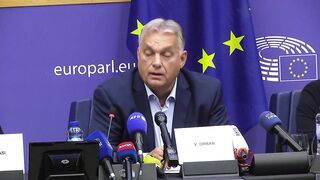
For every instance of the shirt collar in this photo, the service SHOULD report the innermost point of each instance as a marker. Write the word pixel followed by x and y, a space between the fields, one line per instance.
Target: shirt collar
pixel 172 94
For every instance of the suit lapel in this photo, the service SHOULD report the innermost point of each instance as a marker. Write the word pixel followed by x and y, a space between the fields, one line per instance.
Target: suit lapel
pixel 183 96
pixel 143 106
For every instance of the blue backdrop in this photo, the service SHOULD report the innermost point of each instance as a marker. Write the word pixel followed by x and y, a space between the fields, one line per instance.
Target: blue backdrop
pixel 52 55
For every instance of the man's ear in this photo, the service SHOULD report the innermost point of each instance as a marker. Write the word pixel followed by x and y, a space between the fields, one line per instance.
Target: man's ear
pixel 183 58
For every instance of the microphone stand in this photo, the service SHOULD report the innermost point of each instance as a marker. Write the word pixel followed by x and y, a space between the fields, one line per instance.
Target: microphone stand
pixel 280 143
pixel 128 168
pixel 107 165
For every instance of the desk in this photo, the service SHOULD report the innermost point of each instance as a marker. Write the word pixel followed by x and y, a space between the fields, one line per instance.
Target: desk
pixel 308 176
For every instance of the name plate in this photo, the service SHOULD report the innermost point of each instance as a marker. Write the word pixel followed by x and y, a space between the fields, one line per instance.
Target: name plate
pixel 211 143
pixel 11 152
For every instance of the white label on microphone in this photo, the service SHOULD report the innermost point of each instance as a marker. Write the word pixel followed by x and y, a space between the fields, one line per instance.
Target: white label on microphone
pixel 211 143
pixel 11 152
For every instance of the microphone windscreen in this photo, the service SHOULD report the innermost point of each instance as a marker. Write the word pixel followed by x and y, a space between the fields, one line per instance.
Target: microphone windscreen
pixel 268 120
pixel 127 149
pixel 105 148
pixel 150 159
pixel 160 117
pixel 137 123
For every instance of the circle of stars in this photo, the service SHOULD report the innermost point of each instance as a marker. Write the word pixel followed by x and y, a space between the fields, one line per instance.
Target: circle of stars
pixel 303 62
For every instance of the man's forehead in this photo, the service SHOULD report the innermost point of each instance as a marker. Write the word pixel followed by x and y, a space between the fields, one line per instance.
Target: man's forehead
pixel 164 39
pixel 160 31
pixel 158 47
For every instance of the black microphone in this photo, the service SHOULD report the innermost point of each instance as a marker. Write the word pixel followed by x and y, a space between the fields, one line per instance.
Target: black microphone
pixel 137 127
pixel 170 153
pixel 272 124
pixel 105 152
pixel 127 154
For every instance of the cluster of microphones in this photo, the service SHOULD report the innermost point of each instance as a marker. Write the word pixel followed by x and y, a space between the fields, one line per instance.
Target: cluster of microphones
pixel 129 152
pixel 132 152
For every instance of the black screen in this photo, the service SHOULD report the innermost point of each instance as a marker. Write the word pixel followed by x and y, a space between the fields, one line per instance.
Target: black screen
pixel 63 161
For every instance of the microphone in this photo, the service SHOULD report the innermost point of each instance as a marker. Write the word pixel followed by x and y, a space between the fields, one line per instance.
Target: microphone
pixel 170 153
pixel 111 115
pixel 127 154
pixel 272 124
pixel 150 159
pixel 159 166
pixel 137 128
pixel 240 146
pixel 105 152
pixel 241 154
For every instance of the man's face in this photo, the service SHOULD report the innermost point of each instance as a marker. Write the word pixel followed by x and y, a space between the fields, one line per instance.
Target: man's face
pixel 159 60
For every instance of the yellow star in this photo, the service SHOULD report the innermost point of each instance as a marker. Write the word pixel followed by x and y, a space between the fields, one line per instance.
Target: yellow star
pixel 234 43
pixel 139 28
pixel 206 60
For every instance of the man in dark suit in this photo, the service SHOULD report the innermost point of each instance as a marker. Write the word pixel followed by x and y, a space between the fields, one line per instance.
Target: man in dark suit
pixel 1 132
pixel 160 83
pixel 307 109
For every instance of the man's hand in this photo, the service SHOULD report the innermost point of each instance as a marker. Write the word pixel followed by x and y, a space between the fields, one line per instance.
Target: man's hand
pixel 157 153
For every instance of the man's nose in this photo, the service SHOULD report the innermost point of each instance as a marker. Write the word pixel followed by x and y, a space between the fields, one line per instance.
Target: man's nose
pixel 157 60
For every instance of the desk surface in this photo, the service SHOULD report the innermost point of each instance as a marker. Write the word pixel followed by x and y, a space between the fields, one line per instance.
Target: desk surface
pixel 308 176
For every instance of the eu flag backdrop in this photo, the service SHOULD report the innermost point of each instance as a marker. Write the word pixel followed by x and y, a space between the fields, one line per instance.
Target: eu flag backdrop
pixel 220 43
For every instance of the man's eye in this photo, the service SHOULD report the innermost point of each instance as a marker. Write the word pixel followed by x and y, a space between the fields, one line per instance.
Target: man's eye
pixel 167 54
pixel 148 53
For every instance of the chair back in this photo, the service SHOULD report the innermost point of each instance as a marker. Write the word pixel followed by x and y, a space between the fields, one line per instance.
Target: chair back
pixel 283 104
pixel 81 111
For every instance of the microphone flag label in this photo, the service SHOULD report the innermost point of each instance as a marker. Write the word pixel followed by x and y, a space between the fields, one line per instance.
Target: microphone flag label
pixel 127 145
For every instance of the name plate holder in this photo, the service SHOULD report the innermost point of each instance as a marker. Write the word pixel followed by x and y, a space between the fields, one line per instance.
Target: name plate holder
pixel 11 175
pixel 210 169
pixel 149 172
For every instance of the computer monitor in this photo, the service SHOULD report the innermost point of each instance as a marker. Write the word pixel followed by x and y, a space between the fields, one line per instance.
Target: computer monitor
pixel 63 161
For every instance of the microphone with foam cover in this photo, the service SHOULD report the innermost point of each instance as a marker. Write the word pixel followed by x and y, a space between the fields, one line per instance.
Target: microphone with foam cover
pixel 127 155
pixel 272 124
pixel 170 153
pixel 150 159
pixel 105 152
pixel 137 128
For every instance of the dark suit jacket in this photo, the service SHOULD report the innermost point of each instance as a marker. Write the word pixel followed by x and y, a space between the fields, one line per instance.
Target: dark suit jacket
pixel 307 109
pixel 198 103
